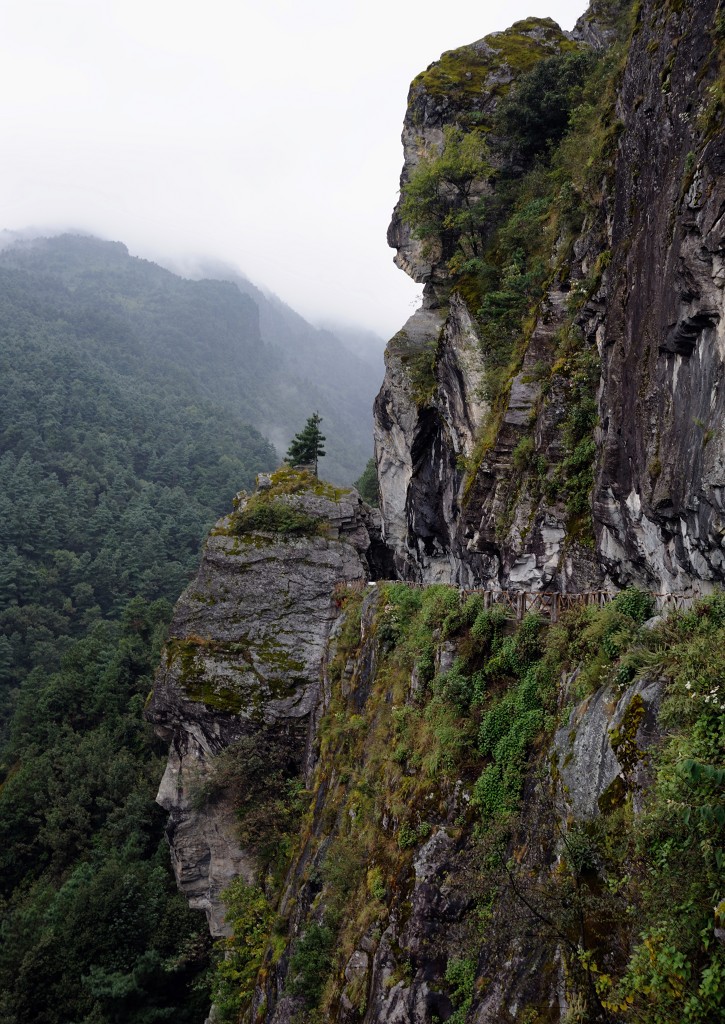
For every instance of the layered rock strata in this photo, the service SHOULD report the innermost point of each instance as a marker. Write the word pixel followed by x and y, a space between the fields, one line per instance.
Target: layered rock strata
pixel 659 499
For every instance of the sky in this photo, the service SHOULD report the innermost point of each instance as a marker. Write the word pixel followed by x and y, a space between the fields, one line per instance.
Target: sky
pixel 261 133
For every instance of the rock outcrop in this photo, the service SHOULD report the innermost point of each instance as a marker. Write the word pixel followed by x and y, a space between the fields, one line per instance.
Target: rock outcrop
pixel 444 509
pixel 243 659
pixel 660 492
pixel 423 438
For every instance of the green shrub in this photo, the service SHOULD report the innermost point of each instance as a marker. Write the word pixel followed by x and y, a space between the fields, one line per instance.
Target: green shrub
pixel 407 836
pixel 376 883
pixel 461 976
pixel 275 515
pixel 462 615
pixel 401 604
pixel 310 963
pixel 268 795
pixel 251 917
pixel 637 604
pixel 523 453
pixel 488 627
pixel 535 114
pixel 443 193
pixel 455 688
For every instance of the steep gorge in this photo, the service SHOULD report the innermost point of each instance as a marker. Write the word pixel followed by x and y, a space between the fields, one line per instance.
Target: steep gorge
pixel 421 811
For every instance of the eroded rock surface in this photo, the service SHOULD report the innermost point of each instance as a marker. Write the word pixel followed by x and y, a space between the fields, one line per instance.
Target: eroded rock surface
pixel 424 429
pixel 660 495
pixel 601 752
pixel 450 514
pixel 243 656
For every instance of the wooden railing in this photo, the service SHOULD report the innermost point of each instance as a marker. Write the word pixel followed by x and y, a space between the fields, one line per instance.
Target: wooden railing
pixel 518 603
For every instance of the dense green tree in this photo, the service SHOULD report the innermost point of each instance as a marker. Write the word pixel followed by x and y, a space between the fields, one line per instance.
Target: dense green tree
pixel 92 926
pixel 367 484
pixel 307 446
pixel 445 197
pixel 535 114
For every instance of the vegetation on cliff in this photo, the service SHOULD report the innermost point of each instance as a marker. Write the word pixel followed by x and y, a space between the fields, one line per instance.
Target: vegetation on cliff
pixel 499 208
pixel 276 507
pixel 367 484
pixel 452 734
pixel 307 446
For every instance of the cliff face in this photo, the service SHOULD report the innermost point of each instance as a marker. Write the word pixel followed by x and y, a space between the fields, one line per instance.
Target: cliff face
pixel 639 280
pixel 432 814
pixel 243 661
pixel 661 449
pixel 425 435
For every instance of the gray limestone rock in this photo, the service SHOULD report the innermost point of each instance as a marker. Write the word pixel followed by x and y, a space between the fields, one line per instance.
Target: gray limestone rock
pixel 592 775
pixel 657 319
pixel 659 498
pixel 244 656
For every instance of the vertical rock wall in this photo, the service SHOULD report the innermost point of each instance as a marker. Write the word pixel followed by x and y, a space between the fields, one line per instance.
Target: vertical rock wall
pixel 660 494
pixel 655 317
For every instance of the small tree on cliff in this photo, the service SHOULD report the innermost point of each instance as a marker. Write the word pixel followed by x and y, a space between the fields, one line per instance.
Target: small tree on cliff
pixel 445 197
pixel 307 446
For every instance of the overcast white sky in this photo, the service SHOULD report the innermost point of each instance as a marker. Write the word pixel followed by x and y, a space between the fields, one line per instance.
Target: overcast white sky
pixel 264 133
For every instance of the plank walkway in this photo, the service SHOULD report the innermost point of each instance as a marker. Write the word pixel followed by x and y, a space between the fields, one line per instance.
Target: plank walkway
pixel 518 603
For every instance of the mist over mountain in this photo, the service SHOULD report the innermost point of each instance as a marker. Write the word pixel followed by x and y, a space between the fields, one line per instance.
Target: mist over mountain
pixel 240 347
pixel 448 746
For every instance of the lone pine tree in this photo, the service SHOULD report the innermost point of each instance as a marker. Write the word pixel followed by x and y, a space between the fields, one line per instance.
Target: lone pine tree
pixel 307 446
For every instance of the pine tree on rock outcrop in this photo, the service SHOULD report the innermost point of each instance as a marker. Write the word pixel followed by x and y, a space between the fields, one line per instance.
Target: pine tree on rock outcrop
pixel 307 446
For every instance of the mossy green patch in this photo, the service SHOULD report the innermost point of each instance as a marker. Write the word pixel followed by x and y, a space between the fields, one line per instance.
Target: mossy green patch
pixel 467 72
pixel 287 480
pixel 419 362
pixel 613 796
pixel 266 669
pixel 278 509
pixel 263 514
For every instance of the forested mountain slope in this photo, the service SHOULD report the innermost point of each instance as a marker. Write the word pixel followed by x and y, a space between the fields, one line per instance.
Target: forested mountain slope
pixel 250 353
pixel 113 460
pixel 126 398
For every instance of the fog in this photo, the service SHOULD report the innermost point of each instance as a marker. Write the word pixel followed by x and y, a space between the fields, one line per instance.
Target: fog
pixel 260 133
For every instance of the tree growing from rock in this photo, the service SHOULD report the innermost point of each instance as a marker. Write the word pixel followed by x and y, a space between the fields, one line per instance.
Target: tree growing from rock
pixel 367 484
pixel 307 446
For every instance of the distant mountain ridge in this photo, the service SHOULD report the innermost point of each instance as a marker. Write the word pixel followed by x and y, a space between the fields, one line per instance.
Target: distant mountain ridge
pixel 249 352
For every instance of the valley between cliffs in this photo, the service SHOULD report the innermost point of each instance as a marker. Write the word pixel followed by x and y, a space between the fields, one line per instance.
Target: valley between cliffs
pixel 395 804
